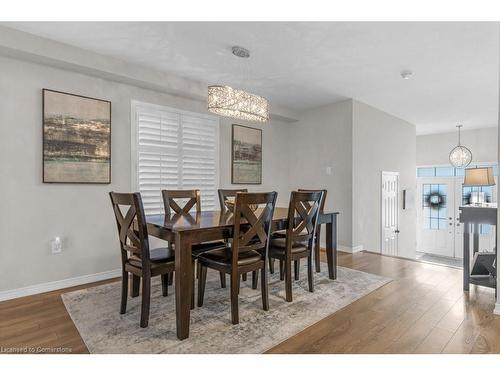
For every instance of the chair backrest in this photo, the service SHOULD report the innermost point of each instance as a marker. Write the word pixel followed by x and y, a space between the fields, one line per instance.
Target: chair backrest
pixel 171 197
pixel 227 193
pixel 322 205
pixel 133 240
pixel 252 228
pixel 303 214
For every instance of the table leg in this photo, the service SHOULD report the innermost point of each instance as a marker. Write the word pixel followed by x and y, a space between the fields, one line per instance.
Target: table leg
pixel 183 284
pixel 331 247
pixel 475 237
pixel 466 256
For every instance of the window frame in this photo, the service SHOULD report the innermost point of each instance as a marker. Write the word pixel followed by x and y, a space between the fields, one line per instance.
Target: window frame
pixel 134 129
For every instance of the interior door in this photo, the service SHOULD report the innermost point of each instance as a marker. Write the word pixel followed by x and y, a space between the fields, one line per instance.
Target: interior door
pixel 390 213
pixel 436 216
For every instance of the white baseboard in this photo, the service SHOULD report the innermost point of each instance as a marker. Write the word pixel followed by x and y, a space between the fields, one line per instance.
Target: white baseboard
pixel 350 249
pixel 346 249
pixel 59 284
pixel 496 311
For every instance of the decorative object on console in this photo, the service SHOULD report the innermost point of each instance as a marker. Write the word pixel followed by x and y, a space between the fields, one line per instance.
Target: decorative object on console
pixel 76 139
pixel 239 104
pixel 246 156
pixel 478 177
pixel 460 156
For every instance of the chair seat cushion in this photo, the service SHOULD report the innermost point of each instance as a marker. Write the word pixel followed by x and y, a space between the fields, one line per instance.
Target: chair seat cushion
pixel 224 256
pixel 205 246
pixel 278 245
pixel 282 233
pixel 199 248
pixel 158 255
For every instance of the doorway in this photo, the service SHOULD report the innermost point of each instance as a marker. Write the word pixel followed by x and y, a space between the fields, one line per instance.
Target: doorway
pixel 440 194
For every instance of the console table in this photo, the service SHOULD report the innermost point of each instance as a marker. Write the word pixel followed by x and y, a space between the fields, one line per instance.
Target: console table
pixel 472 216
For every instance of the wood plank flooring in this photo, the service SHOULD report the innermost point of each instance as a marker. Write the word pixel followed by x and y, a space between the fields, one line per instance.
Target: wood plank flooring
pixel 423 310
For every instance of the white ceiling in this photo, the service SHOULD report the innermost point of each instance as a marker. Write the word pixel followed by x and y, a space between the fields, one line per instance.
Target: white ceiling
pixel 305 65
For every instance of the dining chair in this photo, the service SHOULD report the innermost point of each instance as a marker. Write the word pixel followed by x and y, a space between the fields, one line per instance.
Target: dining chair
pixel 137 258
pixel 247 252
pixel 224 194
pixel 317 239
pixel 181 202
pixel 302 221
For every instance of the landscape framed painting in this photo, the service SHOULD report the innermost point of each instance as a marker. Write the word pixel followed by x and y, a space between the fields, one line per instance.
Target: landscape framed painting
pixel 76 139
pixel 246 156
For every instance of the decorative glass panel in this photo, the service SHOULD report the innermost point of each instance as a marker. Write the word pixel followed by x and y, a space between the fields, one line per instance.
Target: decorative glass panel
pixel 445 172
pixel 426 172
pixel 435 210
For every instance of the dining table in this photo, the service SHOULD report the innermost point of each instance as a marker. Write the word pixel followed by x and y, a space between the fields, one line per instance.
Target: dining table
pixel 185 230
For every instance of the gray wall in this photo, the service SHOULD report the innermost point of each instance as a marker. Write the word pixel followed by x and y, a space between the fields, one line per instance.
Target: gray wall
pixel 323 138
pixel 34 213
pixel 434 149
pixel 358 142
pixel 381 142
pixel 295 155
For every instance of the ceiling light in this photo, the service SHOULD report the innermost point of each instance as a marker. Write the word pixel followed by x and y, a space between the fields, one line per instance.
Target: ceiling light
pixel 406 74
pixel 460 156
pixel 239 104
pixel 227 101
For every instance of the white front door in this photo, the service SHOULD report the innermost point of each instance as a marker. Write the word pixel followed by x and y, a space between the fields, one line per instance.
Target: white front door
pixel 439 230
pixel 390 213
pixel 435 216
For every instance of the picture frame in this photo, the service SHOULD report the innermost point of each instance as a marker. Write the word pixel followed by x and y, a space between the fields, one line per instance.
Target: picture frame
pixel 76 138
pixel 246 155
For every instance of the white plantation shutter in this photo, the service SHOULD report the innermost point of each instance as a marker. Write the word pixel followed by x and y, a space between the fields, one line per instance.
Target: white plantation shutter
pixel 175 150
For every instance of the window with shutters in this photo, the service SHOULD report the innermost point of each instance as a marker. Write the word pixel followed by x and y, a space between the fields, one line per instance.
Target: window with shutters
pixel 174 149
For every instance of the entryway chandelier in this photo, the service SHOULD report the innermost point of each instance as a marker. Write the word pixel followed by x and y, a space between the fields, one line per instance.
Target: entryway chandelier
pixel 235 103
pixel 460 156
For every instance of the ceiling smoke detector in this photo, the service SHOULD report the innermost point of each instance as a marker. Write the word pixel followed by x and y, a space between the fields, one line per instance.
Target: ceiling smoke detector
pixel 406 74
pixel 240 52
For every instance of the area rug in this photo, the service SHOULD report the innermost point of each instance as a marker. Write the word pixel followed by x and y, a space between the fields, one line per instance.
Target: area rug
pixel 95 312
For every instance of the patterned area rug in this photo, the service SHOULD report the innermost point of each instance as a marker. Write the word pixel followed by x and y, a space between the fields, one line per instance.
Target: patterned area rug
pixel 95 312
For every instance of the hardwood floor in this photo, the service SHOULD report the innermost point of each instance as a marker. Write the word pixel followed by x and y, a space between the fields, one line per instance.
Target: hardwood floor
pixel 423 310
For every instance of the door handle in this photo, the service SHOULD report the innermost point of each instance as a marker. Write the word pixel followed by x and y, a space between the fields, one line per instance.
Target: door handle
pixel 396 231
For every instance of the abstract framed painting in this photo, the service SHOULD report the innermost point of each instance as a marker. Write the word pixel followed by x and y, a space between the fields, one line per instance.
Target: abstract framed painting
pixel 76 139
pixel 246 156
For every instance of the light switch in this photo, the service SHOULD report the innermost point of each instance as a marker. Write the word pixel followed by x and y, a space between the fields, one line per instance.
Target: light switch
pixel 328 171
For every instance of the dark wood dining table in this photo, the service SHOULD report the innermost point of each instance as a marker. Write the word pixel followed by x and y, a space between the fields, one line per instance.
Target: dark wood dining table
pixel 187 230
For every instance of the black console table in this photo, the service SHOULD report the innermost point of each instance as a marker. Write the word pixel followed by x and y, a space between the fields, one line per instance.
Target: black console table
pixel 471 217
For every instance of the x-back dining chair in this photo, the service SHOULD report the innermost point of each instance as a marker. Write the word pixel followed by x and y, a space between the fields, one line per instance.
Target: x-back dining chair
pixel 300 233
pixel 317 239
pixel 191 198
pixel 172 198
pixel 224 194
pixel 247 252
pixel 137 258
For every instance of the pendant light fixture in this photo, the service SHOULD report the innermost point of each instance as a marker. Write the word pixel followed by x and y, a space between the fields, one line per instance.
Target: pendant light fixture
pixel 235 103
pixel 460 156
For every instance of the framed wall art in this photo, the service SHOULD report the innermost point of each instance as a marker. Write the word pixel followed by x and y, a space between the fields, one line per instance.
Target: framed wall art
pixel 76 139
pixel 246 156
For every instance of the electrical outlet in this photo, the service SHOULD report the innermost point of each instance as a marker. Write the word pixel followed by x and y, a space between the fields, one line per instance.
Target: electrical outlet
pixel 56 245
